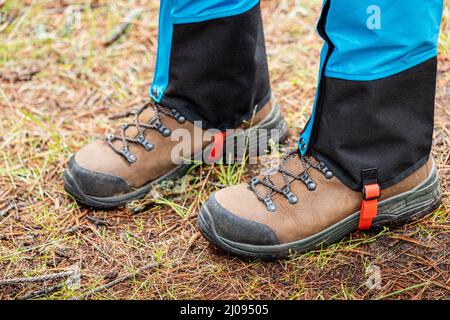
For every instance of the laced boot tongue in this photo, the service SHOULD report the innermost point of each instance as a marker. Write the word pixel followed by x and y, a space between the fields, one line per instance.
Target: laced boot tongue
pixel 134 132
pixel 145 116
pixel 293 167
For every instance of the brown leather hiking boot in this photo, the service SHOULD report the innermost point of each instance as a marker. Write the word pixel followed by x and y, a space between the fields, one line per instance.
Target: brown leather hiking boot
pixel 303 205
pixel 123 167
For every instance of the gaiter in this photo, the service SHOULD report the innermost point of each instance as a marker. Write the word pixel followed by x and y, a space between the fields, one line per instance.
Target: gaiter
pixel 374 104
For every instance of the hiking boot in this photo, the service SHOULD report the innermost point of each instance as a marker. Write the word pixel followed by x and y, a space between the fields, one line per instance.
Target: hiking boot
pixel 303 206
pixel 125 166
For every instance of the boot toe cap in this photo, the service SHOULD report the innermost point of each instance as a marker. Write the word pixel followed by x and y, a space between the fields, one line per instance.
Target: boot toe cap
pixel 92 183
pixel 228 226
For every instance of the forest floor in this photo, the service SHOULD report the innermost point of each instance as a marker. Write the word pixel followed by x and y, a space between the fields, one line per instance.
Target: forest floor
pixel 62 76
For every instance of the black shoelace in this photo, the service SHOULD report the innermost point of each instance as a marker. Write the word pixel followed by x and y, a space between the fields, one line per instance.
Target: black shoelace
pixel 153 124
pixel 285 190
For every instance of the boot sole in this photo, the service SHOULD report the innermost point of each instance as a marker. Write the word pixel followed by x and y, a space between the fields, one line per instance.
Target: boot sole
pixel 408 206
pixel 274 120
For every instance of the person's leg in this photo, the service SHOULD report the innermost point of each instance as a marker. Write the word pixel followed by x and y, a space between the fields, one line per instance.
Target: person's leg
pixel 211 63
pixel 211 67
pixel 371 130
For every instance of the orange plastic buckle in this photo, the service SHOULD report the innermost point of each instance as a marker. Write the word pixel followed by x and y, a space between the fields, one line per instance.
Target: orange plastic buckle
pixel 369 206
pixel 217 149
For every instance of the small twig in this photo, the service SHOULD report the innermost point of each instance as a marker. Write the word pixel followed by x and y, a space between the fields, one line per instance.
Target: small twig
pixel 4 212
pixel 20 75
pixel 45 277
pixel 122 115
pixel 42 292
pixel 122 29
pixel 218 185
pixel 123 278
pixel 168 230
pixel 98 222
pixel 16 208
pixel 193 239
pixel 407 239
pixel 12 205
pixel 6 19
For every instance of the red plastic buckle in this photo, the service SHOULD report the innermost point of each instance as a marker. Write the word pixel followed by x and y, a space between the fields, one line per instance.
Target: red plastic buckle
pixel 369 206
pixel 217 149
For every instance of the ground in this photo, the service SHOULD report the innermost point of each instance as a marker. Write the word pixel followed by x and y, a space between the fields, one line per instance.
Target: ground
pixel 65 69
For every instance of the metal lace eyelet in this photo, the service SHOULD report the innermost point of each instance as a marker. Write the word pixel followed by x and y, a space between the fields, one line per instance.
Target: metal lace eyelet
pixel 110 137
pixel 254 181
pixel 166 132
pixel 163 129
pixel 329 175
pixel 270 205
pixel 181 119
pixel 324 169
pixel 131 158
pixel 309 183
pixel 148 146
pixel 177 116
pixel 311 186
pixel 292 198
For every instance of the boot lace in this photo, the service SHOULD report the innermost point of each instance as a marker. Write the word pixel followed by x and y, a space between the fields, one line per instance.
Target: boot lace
pixel 288 178
pixel 153 124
